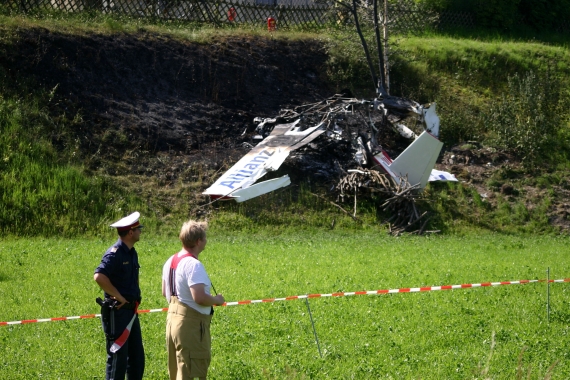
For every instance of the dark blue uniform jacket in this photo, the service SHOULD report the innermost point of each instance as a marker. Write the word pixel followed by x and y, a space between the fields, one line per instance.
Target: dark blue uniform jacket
pixel 121 265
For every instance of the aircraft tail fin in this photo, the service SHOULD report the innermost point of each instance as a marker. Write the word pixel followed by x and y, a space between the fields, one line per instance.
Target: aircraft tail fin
pixel 416 162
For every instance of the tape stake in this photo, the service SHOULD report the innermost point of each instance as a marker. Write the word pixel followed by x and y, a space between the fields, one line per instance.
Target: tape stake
pixel 314 330
pixel 548 295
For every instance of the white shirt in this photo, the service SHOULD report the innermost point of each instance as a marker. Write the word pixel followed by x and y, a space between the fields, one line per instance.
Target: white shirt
pixel 189 272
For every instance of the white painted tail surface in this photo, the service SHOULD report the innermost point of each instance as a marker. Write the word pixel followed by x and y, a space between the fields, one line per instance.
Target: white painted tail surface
pixel 415 163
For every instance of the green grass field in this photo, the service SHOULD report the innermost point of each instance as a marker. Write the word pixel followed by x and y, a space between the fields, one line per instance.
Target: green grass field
pixel 481 333
pixel 493 332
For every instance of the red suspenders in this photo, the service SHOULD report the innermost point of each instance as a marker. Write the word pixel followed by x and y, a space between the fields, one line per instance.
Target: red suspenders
pixel 173 265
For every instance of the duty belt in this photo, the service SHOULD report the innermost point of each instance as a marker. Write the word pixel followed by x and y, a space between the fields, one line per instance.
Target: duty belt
pixel 112 303
pixel 129 305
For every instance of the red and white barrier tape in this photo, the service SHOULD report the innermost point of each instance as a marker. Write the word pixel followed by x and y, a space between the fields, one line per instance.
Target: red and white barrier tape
pixel 339 294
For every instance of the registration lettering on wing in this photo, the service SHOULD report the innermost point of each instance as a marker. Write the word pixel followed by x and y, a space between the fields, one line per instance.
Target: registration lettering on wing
pixel 245 172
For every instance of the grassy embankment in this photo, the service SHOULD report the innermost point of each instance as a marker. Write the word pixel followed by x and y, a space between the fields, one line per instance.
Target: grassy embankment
pixel 491 332
pixel 477 84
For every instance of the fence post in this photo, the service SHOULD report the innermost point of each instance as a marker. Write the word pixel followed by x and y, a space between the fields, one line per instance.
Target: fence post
pixel 548 295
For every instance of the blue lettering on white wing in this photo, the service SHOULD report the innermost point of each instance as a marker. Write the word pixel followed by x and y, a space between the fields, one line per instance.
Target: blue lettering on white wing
pixel 237 177
pixel 229 184
pixel 266 152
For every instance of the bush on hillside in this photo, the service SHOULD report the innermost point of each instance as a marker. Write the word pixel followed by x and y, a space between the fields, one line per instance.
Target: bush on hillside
pixel 540 15
pixel 497 14
pixel 544 14
pixel 527 119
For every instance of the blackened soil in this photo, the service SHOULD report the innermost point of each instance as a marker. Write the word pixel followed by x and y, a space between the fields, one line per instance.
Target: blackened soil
pixel 141 96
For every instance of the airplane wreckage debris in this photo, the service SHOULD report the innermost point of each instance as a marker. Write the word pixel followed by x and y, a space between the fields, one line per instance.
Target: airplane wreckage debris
pixel 371 170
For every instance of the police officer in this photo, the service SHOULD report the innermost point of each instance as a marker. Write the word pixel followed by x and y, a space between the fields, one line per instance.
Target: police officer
pixel 118 276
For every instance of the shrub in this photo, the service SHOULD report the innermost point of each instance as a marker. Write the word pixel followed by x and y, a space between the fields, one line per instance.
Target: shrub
pixel 527 119
pixel 497 14
pixel 544 14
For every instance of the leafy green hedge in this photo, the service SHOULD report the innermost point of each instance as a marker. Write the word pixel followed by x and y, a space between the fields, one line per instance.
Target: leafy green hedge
pixel 508 14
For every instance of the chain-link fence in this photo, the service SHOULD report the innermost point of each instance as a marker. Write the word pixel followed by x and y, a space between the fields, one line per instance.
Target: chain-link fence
pixel 285 12
pixel 457 20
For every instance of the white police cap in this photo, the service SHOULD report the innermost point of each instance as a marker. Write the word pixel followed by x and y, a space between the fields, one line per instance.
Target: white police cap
pixel 128 222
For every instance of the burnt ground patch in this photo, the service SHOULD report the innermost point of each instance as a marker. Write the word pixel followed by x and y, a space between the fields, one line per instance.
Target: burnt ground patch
pixel 153 94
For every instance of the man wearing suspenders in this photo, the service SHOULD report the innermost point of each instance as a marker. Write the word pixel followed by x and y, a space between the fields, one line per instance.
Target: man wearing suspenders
pixel 186 286
pixel 118 276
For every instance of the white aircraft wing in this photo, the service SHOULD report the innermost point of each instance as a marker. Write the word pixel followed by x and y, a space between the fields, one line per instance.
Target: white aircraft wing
pixel 261 188
pixel 266 156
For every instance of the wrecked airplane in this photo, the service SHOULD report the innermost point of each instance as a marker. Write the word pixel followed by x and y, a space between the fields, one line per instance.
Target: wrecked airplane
pixel 295 128
pixel 328 119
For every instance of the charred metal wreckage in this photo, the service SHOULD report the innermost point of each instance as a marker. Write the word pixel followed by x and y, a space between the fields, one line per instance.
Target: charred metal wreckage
pixel 295 128
pixel 362 122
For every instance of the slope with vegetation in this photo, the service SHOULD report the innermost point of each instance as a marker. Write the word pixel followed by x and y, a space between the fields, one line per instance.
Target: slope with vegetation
pixel 100 116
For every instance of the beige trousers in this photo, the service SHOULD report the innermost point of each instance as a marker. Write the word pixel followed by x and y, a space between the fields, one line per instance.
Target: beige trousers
pixel 188 341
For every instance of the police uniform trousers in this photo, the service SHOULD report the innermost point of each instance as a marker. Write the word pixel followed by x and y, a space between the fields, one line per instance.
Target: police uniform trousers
pixel 129 359
pixel 188 341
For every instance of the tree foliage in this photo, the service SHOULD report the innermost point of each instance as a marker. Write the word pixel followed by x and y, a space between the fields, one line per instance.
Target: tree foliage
pixel 507 14
pixel 544 14
pixel 497 14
